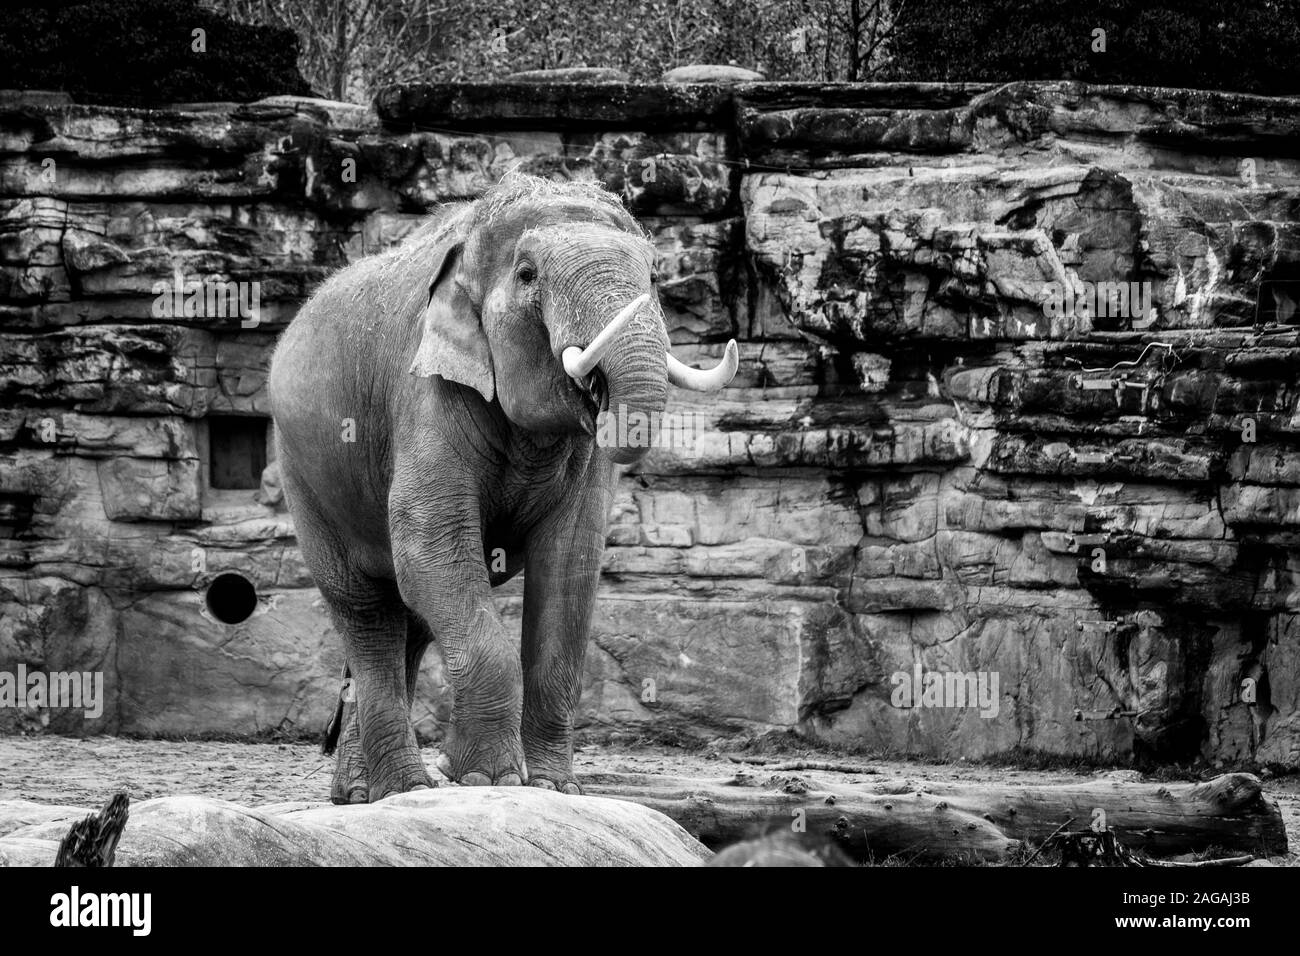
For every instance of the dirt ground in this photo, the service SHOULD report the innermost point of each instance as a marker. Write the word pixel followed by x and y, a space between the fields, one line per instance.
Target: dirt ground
pixel 86 772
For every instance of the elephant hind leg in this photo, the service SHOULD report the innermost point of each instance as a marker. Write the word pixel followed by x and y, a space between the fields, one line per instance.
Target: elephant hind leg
pixel 343 742
pixel 418 639
pixel 334 729
pixel 372 621
pixel 350 783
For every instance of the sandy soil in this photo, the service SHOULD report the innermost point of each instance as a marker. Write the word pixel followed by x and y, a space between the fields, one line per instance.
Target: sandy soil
pixel 86 772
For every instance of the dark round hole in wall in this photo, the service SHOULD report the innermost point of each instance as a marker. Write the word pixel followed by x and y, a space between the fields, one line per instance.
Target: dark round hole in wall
pixel 231 598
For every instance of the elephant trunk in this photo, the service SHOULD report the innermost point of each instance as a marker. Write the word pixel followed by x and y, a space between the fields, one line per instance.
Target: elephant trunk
pixel 636 376
pixel 609 332
pixel 606 321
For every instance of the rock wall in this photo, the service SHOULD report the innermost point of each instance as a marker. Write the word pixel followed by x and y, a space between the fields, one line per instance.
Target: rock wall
pixel 941 456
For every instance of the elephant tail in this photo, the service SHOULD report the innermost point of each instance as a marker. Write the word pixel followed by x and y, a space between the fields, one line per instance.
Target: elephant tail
pixel 330 741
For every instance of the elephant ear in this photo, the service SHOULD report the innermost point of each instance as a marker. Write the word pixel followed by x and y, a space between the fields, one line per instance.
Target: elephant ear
pixel 453 344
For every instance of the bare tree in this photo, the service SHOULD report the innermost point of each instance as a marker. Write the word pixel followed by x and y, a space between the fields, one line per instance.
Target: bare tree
pixel 864 28
pixel 345 44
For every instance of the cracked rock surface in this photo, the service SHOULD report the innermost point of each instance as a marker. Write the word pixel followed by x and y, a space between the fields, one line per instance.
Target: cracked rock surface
pixel 932 459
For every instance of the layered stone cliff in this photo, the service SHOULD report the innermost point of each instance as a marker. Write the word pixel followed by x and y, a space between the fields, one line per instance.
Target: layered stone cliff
pixel 942 454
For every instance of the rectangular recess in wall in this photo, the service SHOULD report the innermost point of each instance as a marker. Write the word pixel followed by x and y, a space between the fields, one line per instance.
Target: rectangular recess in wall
pixel 236 451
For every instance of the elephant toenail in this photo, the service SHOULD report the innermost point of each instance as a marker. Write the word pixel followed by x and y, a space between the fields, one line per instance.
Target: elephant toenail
pixel 475 779
pixel 510 780
pixel 572 788
pixel 541 783
pixel 358 795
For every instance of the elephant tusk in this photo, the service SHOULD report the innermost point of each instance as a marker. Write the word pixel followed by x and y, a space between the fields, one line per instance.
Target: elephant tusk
pixel 579 362
pixel 705 380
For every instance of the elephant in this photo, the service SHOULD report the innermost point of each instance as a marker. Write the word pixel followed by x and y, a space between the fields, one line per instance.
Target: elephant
pixel 438 416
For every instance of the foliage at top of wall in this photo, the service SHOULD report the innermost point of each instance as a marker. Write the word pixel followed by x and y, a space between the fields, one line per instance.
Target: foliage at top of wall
pixel 1240 45
pixel 352 49
pixel 144 51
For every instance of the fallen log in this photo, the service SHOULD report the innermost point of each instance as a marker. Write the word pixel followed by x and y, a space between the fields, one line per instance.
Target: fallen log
pixel 869 827
pixel 868 819
pixel 922 821
pixel 1229 812
pixel 447 826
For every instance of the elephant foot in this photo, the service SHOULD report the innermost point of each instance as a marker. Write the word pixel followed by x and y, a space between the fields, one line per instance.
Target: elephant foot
pixel 355 783
pixel 508 777
pixel 550 760
pixel 562 783
pixel 356 794
pixel 483 766
pixel 404 783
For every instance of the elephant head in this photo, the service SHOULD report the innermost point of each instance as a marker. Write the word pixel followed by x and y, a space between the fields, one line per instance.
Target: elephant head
pixel 542 297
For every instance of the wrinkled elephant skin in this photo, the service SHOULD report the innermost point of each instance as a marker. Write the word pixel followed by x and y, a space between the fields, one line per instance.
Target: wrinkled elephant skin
pixel 431 445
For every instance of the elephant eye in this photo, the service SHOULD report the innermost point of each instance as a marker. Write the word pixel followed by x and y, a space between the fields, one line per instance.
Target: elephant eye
pixel 527 274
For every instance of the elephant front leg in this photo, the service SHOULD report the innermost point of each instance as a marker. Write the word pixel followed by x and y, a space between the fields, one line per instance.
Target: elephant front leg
pixel 561 575
pixel 483 745
pixel 448 587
